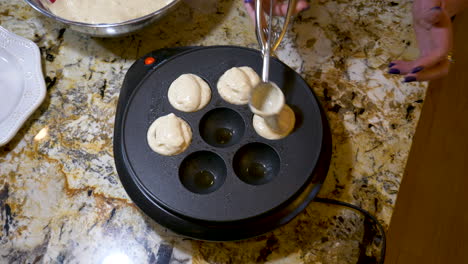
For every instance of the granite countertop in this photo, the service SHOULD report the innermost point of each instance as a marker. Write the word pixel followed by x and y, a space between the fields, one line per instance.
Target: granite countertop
pixel 60 197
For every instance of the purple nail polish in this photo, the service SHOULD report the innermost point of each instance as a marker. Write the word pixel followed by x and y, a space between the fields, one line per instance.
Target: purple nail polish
pixel 410 79
pixel 417 69
pixel 394 71
pixel 306 8
pixel 248 1
pixel 436 8
pixel 391 64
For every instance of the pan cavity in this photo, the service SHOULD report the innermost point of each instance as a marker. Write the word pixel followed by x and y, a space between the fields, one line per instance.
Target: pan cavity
pixel 202 172
pixel 256 163
pixel 222 127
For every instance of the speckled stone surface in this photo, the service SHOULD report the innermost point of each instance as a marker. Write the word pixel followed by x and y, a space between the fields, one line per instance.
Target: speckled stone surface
pixel 60 197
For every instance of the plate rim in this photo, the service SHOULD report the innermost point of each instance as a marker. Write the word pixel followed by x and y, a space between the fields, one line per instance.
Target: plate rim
pixel 16 120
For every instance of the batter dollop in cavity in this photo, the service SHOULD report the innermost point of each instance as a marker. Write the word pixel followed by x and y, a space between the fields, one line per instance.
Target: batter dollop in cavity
pixel 169 135
pixel 103 11
pixel 235 84
pixel 286 121
pixel 189 93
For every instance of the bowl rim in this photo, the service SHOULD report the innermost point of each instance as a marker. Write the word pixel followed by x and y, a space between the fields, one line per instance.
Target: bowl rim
pixel 40 9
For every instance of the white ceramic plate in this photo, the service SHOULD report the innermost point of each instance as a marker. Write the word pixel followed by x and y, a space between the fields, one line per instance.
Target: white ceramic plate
pixel 22 87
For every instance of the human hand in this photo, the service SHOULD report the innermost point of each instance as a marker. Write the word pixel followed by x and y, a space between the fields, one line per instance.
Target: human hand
pixel 280 8
pixel 433 30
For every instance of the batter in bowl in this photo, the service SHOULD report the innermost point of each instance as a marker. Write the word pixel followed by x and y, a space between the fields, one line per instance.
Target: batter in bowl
pixel 169 135
pixel 235 84
pixel 103 11
pixel 189 93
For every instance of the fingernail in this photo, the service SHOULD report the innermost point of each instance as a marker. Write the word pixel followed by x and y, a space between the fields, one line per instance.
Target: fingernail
pixel 394 71
pixel 306 8
pixel 436 8
pixel 417 69
pixel 248 1
pixel 391 64
pixel 410 79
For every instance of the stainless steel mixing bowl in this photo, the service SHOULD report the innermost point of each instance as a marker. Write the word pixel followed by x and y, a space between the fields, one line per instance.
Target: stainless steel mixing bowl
pixel 106 30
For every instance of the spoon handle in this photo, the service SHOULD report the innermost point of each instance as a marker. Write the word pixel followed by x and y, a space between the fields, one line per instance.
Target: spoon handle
pixel 266 48
pixel 261 24
pixel 266 64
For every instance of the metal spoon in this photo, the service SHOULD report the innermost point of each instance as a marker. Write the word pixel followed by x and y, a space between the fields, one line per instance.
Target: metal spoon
pixel 266 99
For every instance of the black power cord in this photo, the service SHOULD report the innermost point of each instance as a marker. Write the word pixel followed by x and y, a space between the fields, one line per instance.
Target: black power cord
pixel 365 213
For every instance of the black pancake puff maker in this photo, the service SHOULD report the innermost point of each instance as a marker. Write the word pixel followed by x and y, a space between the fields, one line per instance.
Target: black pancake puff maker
pixel 230 183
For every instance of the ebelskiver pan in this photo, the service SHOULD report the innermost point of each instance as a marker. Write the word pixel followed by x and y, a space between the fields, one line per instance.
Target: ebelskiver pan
pixel 246 185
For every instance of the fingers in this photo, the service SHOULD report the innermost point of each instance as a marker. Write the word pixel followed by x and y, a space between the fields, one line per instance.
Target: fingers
pixel 434 45
pixel 431 17
pixel 426 12
pixel 432 73
pixel 423 7
pixel 420 73
pixel 250 8
pixel 280 8
pixel 442 39
pixel 400 67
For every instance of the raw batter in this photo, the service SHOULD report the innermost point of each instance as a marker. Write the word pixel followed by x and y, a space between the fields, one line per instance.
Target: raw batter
pixel 169 135
pixel 235 84
pixel 286 121
pixel 189 93
pixel 104 11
